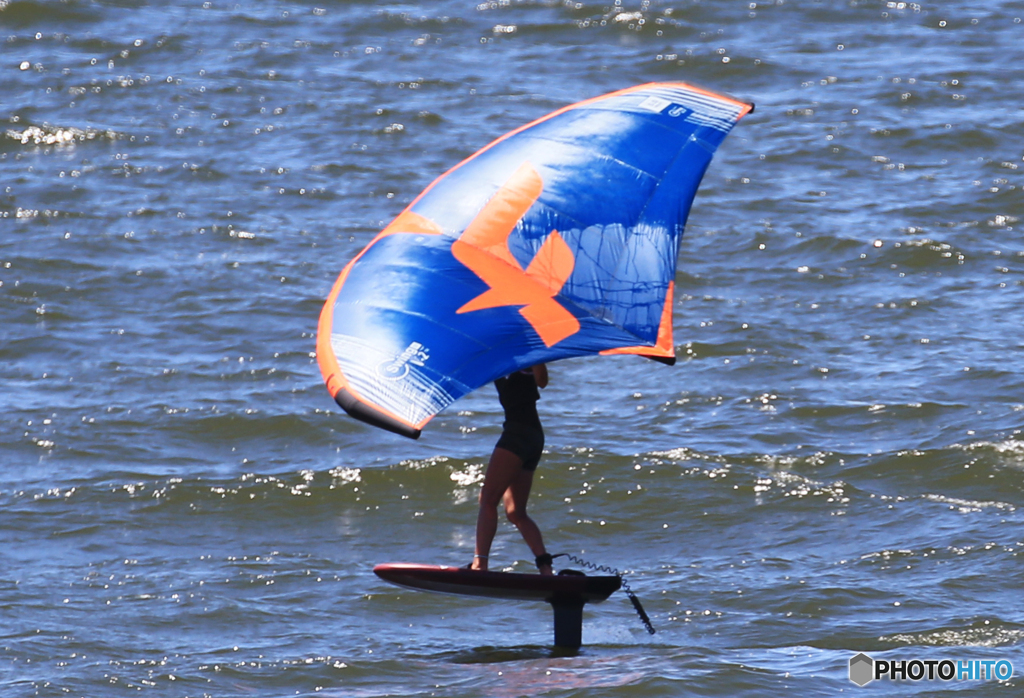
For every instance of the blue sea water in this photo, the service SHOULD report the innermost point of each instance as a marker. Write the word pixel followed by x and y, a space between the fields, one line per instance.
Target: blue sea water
pixel 833 466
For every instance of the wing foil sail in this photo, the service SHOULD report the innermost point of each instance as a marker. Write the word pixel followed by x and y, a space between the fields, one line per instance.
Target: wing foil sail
pixel 558 239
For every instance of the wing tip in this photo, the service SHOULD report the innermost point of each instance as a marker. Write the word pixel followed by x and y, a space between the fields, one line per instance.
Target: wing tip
pixel 745 106
pixel 364 413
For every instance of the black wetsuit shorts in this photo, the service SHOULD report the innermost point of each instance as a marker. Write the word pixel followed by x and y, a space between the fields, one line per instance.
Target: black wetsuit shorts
pixel 524 440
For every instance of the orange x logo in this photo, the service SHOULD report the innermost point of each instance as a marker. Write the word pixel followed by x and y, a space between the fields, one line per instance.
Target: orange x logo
pixel 483 248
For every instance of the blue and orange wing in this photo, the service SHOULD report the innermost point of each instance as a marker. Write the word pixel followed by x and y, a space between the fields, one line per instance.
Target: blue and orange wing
pixel 557 240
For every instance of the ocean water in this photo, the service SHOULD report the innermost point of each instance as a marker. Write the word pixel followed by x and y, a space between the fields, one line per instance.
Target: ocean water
pixel 833 466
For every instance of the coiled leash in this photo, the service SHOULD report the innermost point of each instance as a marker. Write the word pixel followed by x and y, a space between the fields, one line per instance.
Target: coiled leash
pixel 637 606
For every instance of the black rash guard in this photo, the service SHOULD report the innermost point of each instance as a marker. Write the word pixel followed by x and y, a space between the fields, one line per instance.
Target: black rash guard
pixel 518 395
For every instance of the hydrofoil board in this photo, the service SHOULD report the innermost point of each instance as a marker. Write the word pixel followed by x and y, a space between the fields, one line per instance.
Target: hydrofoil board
pixel 572 587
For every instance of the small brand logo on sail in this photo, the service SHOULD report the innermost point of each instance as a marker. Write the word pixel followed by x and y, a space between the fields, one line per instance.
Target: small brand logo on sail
pixel 415 354
pixel 655 104
pixel 659 106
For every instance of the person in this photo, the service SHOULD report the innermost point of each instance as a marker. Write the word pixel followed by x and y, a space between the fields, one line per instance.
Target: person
pixel 509 475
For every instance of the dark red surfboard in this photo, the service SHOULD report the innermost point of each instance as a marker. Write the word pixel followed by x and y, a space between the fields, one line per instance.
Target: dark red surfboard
pixel 577 587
